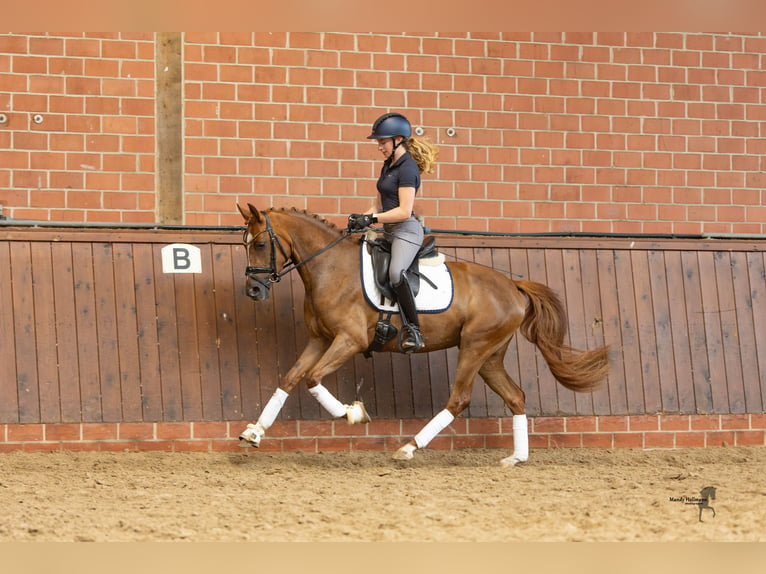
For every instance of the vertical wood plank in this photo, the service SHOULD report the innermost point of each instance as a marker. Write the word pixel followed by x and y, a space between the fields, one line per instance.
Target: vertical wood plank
pixel 9 395
pixel 682 354
pixel 756 267
pixel 730 333
pixel 573 288
pixel 481 395
pixel 594 321
pixel 647 338
pixel 167 338
pixel 546 384
pixel 748 359
pixel 208 338
pixel 148 342
pixel 703 399
pixel 66 333
pixel 169 117
pixel 188 346
pixel 664 332
pixel 24 328
pixel 711 312
pixel 127 332
pixel 106 330
pixel 45 331
pixel 554 267
pixel 610 306
pixel 629 326
pixel 87 332
pixel 226 341
pixel 525 374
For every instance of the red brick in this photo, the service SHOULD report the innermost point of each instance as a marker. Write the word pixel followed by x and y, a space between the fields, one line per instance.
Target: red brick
pixel 629 440
pixel 24 432
pixel 278 429
pixel 99 431
pixel 69 431
pixel 537 441
pixel 566 440
pixel 597 440
pixel 368 443
pixel 674 422
pixel 690 439
pixel 210 430
pixel 333 444
pixel 483 426
pixel 468 442
pixel 136 431
pixel 612 423
pixel 42 446
pixel 643 422
pixel 735 421
pixel 316 428
pixel 506 441
pixel 173 430
pixel 441 443
pixel 547 424
pixel 659 440
pixel 758 421
pixel 299 444
pixel 719 438
pixel 81 446
pixel 158 445
pixel 580 424
pixel 749 438
pixel 705 422
pixel 118 446
pixel 384 428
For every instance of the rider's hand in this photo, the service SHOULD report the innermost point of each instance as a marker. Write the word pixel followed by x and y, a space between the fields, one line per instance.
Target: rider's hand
pixel 358 221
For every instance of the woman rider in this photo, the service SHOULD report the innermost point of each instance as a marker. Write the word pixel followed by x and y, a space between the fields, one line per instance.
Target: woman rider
pixel 405 159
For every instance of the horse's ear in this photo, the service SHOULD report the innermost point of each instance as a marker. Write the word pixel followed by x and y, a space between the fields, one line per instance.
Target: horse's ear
pixel 245 214
pixel 254 213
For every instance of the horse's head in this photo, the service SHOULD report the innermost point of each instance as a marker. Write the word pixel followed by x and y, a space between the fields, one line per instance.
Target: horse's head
pixel 265 254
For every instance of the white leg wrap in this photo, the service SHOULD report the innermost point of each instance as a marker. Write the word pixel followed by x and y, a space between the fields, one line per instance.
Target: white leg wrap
pixel 329 402
pixel 434 427
pixel 520 442
pixel 272 408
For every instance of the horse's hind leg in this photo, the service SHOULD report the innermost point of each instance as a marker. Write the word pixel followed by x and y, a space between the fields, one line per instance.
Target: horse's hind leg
pixel 497 378
pixel 468 363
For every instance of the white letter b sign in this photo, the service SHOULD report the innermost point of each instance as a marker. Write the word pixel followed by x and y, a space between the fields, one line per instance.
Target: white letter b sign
pixel 181 258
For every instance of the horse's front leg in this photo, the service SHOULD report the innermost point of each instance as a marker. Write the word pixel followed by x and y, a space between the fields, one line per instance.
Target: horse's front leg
pixel 253 434
pixel 340 350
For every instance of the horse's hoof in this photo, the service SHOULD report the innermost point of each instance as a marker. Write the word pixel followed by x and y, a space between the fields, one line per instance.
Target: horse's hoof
pixel 251 436
pixel 356 413
pixel 512 461
pixel 405 452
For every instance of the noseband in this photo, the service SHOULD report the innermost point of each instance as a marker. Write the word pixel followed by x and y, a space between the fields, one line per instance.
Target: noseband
pixel 274 275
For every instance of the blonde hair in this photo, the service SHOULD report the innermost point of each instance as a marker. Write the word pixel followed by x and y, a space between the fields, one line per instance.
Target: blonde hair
pixel 423 152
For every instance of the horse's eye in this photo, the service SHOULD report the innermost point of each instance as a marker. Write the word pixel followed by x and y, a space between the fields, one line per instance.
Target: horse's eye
pixel 259 244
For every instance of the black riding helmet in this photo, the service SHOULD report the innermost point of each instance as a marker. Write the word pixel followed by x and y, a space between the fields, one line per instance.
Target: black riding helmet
pixel 389 126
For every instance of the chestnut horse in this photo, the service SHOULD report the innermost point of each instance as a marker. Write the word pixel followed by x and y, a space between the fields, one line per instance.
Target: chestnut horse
pixel 486 311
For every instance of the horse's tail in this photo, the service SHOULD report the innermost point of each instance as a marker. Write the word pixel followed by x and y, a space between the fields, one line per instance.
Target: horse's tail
pixel 545 325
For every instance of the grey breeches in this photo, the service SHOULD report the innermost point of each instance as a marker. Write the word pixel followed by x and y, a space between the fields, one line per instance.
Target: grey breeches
pixel 406 238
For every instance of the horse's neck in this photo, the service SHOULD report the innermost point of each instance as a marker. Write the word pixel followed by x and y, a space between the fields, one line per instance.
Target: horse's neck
pixel 309 236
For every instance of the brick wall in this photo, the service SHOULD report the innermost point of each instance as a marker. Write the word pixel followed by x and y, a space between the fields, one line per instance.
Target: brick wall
pixel 637 431
pixel 599 132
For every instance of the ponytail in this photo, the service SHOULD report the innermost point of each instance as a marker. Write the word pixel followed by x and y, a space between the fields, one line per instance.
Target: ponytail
pixel 423 152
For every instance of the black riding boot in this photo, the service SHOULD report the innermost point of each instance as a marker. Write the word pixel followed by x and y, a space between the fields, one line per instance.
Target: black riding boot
pixel 410 339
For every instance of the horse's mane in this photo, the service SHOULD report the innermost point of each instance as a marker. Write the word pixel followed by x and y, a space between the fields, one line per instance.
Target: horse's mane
pixel 304 214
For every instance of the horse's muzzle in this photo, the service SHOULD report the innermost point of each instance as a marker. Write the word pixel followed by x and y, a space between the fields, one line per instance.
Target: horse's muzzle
pixel 258 288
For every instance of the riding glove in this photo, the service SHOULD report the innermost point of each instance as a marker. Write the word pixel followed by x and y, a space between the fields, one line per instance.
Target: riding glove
pixel 360 221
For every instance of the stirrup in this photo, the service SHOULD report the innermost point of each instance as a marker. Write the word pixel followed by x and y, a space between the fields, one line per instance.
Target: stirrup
pixel 410 339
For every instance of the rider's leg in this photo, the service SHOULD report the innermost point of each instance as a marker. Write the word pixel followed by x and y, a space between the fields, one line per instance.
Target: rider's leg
pixel 407 237
pixel 410 339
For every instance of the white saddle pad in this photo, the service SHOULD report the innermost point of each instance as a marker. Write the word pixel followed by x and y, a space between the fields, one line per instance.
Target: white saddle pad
pixel 428 300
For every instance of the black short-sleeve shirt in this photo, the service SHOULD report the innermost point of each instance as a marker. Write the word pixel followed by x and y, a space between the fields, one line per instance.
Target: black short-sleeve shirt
pixel 404 173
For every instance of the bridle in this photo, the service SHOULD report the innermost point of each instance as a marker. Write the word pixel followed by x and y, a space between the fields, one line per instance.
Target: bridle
pixel 274 274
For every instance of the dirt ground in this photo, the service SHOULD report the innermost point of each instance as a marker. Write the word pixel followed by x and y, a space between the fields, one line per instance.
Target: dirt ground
pixel 559 495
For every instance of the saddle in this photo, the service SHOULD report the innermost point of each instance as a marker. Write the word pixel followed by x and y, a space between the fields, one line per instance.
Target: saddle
pixel 380 254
